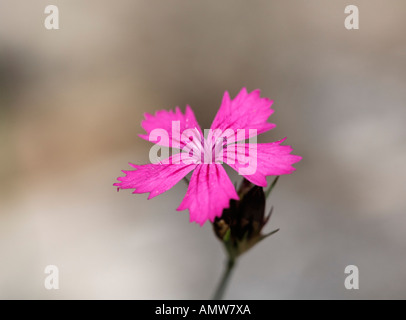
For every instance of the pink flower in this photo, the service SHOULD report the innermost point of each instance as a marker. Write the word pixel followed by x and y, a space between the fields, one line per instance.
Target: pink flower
pixel 210 188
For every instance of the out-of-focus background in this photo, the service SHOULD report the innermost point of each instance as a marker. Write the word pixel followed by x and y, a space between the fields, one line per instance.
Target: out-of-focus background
pixel 71 103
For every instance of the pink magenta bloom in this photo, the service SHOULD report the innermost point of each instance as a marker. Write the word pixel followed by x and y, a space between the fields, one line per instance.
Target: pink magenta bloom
pixel 210 189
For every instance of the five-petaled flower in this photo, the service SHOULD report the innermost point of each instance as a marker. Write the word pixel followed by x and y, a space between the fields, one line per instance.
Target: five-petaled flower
pixel 210 189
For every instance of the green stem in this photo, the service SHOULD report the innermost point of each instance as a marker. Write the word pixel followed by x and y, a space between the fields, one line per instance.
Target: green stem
pixel 221 288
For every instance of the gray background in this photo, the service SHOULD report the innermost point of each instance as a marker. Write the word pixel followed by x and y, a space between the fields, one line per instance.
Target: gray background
pixel 71 103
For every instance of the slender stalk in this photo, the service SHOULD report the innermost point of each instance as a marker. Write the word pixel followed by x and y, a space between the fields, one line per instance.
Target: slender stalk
pixel 221 288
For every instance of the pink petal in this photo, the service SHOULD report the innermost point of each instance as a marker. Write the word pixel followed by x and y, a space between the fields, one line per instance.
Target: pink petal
pixel 163 120
pixel 209 192
pixel 154 178
pixel 269 159
pixel 245 111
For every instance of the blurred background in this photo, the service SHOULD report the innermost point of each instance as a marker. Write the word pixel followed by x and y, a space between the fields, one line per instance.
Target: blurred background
pixel 71 103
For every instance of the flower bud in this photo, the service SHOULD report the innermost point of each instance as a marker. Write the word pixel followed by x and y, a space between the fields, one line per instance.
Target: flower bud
pixel 241 224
